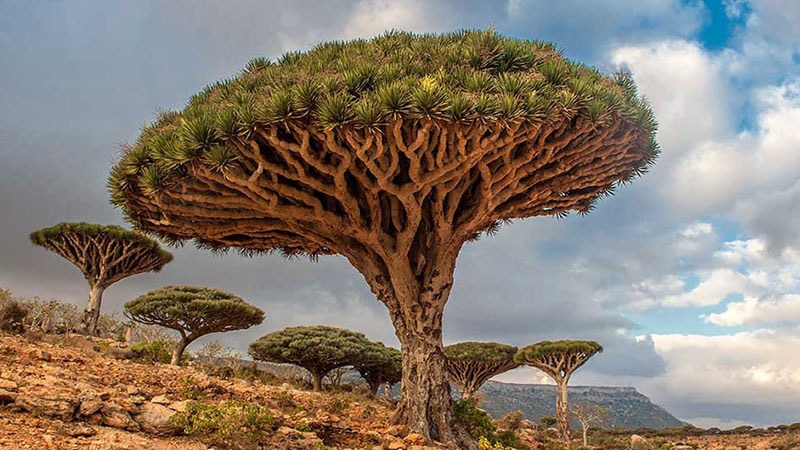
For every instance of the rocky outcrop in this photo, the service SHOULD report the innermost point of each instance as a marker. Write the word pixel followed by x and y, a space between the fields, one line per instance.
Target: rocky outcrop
pixel 156 419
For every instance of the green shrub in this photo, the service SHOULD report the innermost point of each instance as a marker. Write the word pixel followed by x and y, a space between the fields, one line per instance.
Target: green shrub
pixel 475 420
pixel 153 351
pixel 232 425
pixel 12 313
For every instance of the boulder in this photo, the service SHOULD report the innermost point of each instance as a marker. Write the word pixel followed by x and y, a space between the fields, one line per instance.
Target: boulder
pixel 116 416
pixel 7 396
pixel 639 443
pixel 90 404
pixel 59 405
pixel 156 419
pixel 161 400
pixel 79 430
pixel 179 406
pixel 8 385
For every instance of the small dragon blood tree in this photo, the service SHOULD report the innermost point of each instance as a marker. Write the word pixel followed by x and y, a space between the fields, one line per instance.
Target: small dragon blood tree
pixel 105 254
pixel 378 365
pixel 193 312
pixel 559 360
pixel 470 364
pixel 392 152
pixel 318 349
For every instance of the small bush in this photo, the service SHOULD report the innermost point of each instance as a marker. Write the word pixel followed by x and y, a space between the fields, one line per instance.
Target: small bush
pixel 232 425
pixel 475 420
pixel 12 313
pixel 152 352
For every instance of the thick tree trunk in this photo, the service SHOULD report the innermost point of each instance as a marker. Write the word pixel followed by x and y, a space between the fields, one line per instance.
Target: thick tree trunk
pixel 561 410
pixel 177 352
pixel 92 312
pixel 316 381
pixel 387 391
pixel 426 405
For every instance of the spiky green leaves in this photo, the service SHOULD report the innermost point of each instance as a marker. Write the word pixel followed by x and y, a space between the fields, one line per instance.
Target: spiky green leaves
pixel 480 352
pixel 460 77
pixel 195 311
pixel 536 352
pixel 45 237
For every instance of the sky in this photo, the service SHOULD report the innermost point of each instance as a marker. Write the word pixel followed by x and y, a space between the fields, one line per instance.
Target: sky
pixel 689 276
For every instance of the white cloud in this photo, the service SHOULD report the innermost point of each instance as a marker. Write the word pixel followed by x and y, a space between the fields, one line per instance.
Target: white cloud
pixel 748 369
pixel 712 289
pixel 696 230
pixel 736 252
pixel 780 310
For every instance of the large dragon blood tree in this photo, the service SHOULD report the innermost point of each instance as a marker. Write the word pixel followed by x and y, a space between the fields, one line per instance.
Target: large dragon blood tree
pixel 104 254
pixel 392 152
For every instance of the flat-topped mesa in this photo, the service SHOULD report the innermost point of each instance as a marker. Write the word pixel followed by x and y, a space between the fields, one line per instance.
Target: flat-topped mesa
pixel 392 152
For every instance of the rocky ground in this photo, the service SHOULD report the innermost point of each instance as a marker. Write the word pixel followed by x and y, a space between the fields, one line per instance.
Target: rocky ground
pixel 67 392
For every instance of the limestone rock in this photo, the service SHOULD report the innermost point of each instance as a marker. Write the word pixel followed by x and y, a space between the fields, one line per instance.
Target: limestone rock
pixel 179 406
pixel 90 404
pixel 155 419
pixel 8 385
pixel 7 396
pixel 639 443
pixel 116 416
pixel 160 400
pixel 79 430
pixel 60 405
pixel 396 444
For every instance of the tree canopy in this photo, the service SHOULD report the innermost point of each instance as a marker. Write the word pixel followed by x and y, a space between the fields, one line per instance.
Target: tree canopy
pixel 318 349
pixel 379 364
pixel 471 364
pixel 104 254
pixel 559 359
pixel 309 136
pixel 193 312
pixel 392 152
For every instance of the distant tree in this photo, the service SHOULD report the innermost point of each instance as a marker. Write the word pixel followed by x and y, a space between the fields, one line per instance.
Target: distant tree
pixel 588 414
pixel 105 254
pixel 318 349
pixel 379 364
pixel 470 364
pixel 559 360
pixel 193 312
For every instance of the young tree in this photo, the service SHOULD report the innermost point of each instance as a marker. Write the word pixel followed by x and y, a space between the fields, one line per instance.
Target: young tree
pixel 470 364
pixel 392 152
pixel 588 414
pixel 105 254
pixel 379 364
pixel 559 360
pixel 193 312
pixel 318 349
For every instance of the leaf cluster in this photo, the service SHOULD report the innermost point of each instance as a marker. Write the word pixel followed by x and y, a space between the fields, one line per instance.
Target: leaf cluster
pixel 317 349
pixel 459 77
pixel 482 352
pixel 45 236
pixel 380 364
pixel 193 310
pixel 544 349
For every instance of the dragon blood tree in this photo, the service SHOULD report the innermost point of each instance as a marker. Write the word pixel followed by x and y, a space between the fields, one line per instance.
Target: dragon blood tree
pixel 193 312
pixel 318 349
pixel 392 152
pixel 470 364
pixel 105 254
pixel 378 364
pixel 559 360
